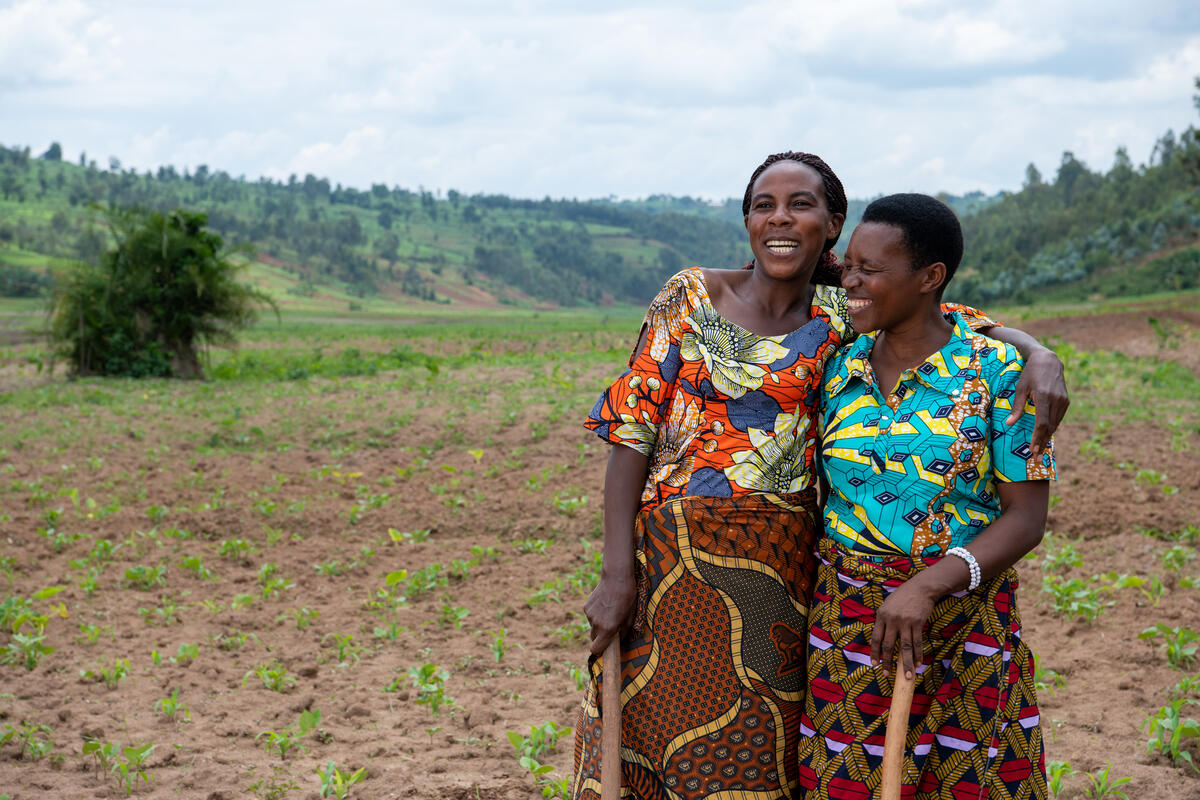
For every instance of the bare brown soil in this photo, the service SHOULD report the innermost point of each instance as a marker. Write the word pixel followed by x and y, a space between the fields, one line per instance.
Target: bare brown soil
pixel 176 446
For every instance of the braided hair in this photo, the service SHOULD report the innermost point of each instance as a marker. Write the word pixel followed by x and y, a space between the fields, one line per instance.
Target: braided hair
pixel 827 272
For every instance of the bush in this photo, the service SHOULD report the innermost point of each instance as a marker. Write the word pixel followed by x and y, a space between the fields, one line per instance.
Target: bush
pixel 16 281
pixel 167 288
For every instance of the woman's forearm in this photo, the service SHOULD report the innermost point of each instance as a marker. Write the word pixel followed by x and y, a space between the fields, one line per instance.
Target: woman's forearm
pixel 1018 530
pixel 904 613
pixel 610 604
pixel 624 480
pixel 1025 343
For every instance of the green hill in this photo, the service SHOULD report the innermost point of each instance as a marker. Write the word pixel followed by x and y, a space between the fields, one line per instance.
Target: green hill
pixel 318 243
pixel 326 247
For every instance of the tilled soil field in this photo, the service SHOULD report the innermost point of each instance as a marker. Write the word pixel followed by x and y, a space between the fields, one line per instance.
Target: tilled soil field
pixel 408 553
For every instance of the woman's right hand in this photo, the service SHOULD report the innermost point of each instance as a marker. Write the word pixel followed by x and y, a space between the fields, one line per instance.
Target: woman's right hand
pixel 610 608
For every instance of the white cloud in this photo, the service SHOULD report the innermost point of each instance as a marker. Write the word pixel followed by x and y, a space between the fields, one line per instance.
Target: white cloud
pixel 52 42
pixel 583 100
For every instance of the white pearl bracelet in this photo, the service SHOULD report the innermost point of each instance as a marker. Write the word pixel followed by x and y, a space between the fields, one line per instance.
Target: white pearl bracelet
pixel 972 566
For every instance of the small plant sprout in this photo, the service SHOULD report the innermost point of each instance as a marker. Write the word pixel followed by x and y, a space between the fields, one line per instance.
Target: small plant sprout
pixel 35 741
pixel 143 577
pixel 343 648
pixel 391 632
pixel 1153 590
pixel 132 767
pixel 236 549
pixel 1101 786
pixel 530 749
pixel 195 565
pixel 1177 557
pixel 499 643
pixel 532 545
pixel 540 741
pixel 573 632
pixel 232 640
pixel 273 676
pixel 567 505
pixel 1056 773
pixel 276 787
pixel 1171 734
pixel 1059 554
pixel 171 708
pixel 429 681
pixel 303 616
pixel 111 675
pixel 126 765
pixel 1076 598
pixel 90 633
pixel 1046 679
pixel 283 742
pixel 335 783
pixel 1185 687
pixel 26 649
pixel 452 615
pixel 580 676
pixel 409 537
pixel 1180 644
pixel 185 654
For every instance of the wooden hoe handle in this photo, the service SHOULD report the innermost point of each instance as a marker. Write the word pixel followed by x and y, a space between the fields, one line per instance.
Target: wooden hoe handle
pixel 610 753
pixel 897 732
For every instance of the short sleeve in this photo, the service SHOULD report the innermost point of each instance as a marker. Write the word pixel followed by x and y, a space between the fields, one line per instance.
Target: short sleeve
pixel 975 319
pixel 632 407
pixel 1011 458
pixel 830 301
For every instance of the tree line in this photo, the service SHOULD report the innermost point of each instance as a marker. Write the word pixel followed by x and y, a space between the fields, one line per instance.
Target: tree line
pixel 1066 233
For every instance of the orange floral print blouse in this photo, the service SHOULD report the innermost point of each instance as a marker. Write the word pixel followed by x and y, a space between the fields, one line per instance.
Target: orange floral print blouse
pixel 721 411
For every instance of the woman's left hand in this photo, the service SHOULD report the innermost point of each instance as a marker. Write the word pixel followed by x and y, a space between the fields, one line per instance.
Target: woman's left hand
pixel 901 618
pixel 1042 379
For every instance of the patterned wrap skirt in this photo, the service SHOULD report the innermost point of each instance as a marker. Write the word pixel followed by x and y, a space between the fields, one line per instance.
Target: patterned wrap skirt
pixel 973 732
pixel 713 670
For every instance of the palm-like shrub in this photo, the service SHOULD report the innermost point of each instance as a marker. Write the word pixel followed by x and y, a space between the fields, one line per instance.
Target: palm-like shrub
pixel 167 289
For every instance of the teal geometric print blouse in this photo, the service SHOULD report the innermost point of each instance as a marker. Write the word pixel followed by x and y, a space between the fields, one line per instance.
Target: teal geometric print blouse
pixel 914 472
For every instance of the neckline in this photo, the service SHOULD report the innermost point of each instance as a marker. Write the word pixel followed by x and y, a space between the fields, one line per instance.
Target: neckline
pixel 860 351
pixel 814 314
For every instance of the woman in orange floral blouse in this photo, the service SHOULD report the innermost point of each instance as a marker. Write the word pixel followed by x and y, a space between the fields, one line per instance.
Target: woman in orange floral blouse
pixel 710 507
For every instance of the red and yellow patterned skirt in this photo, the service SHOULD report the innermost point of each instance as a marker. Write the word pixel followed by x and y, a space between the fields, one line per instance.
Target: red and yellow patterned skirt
pixel 974 727
pixel 713 671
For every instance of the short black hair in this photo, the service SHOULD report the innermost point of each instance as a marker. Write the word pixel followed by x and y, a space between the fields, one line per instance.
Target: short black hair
pixel 931 230
pixel 835 195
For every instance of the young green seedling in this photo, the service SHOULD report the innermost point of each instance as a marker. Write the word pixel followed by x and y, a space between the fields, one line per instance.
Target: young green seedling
pixel 1056 773
pixel 111 675
pixel 36 741
pixel 171 708
pixel 273 676
pixel 1101 786
pixel 303 616
pixel 452 615
pixel 499 643
pixel 342 646
pixel 429 681
pixel 1180 644
pixel 335 783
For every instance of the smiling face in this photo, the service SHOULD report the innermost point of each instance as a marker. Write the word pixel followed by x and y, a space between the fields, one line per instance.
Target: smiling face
pixel 881 286
pixel 789 220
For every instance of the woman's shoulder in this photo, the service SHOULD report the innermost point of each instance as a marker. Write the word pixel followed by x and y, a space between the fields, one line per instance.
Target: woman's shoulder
pixel 682 292
pixel 675 302
pixel 830 303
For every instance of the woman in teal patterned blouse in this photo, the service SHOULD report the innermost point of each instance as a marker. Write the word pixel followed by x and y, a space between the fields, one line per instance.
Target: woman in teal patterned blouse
pixel 932 500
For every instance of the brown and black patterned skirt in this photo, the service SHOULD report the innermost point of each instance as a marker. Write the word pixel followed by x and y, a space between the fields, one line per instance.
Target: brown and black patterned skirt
pixel 713 673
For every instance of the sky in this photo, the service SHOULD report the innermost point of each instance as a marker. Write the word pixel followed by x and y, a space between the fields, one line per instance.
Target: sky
pixel 625 99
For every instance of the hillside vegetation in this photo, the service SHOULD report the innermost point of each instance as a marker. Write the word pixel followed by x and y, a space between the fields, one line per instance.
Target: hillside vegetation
pixel 1082 233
